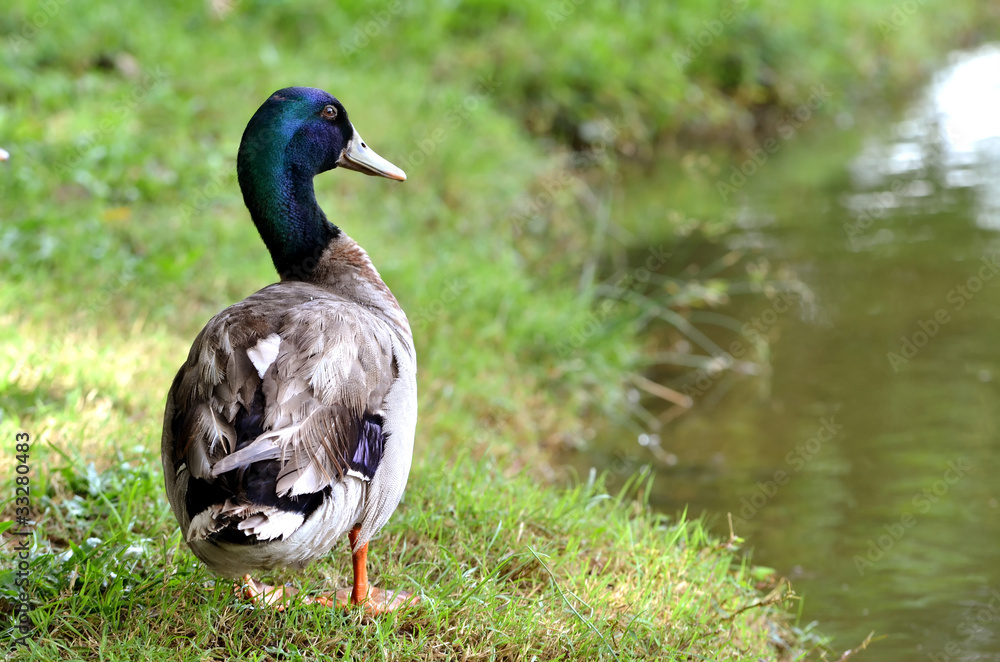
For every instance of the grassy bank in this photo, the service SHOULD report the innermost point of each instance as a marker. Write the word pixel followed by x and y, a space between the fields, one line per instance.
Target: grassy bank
pixel 509 570
pixel 123 232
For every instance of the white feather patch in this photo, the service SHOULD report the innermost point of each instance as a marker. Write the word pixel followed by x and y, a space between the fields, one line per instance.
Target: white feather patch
pixel 264 353
pixel 358 474
pixel 203 524
pixel 272 524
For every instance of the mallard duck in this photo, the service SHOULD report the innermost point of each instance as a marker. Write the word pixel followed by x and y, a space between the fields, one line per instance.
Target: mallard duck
pixel 292 421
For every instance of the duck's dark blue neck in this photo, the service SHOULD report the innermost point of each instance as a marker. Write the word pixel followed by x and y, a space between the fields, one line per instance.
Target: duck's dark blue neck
pixel 282 204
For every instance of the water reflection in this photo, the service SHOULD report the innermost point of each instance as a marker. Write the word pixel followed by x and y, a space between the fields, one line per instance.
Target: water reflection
pixel 951 137
pixel 870 480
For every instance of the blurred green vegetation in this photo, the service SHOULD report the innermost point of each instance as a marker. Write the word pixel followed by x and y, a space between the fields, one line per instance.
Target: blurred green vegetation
pixel 123 230
pixel 121 203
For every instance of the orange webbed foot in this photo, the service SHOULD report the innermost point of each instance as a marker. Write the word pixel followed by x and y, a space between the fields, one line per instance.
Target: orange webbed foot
pixel 378 600
pixel 263 595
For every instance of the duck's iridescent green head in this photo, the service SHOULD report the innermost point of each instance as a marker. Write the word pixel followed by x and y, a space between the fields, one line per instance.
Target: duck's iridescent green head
pixel 296 134
pixel 307 128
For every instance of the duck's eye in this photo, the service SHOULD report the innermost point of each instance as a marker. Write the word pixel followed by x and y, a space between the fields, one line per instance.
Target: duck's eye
pixel 329 112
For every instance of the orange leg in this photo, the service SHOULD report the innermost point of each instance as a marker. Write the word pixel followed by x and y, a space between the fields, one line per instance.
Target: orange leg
pixel 359 593
pixel 374 599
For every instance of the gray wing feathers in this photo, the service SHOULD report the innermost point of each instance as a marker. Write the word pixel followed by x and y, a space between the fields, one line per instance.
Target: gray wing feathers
pixel 389 482
pixel 333 364
pixel 210 436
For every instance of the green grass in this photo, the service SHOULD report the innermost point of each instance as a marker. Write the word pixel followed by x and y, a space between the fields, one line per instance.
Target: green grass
pixel 123 232
pixel 507 570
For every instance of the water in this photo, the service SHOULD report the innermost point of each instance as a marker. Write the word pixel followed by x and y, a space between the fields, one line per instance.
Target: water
pixel 865 466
